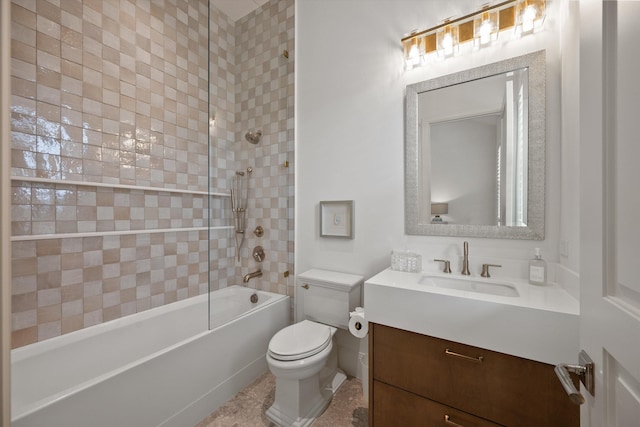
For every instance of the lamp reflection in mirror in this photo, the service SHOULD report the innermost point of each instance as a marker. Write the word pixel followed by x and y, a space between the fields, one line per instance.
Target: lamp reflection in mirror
pixel 438 209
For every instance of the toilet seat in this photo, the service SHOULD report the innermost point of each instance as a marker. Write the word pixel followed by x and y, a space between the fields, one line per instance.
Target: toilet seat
pixel 299 341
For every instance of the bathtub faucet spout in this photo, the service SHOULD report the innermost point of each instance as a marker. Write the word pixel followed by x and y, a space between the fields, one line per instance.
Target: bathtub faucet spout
pixel 250 276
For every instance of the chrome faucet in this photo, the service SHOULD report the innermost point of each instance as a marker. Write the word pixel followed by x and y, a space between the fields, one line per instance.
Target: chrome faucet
pixel 465 260
pixel 250 276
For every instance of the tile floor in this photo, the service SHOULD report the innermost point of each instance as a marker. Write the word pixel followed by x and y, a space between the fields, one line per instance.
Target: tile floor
pixel 246 409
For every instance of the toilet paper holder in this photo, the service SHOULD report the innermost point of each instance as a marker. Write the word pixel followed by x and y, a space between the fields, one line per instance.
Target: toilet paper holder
pixel 357 323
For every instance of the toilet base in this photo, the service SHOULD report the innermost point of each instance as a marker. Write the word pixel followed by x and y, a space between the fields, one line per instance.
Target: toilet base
pixel 289 411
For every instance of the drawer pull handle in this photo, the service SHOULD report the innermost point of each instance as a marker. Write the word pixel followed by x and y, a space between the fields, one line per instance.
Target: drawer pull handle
pixel 478 359
pixel 447 419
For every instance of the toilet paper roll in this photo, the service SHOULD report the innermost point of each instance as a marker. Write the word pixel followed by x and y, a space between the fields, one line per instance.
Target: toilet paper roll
pixel 357 325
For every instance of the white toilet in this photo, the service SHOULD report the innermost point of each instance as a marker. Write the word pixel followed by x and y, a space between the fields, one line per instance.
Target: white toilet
pixel 303 356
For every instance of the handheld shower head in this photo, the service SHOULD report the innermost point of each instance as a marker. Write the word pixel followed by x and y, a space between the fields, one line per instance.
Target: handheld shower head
pixel 253 137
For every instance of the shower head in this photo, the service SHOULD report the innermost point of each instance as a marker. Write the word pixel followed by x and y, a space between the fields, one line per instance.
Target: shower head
pixel 253 137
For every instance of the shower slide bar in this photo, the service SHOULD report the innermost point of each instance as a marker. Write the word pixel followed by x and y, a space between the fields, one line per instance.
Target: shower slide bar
pixel 239 198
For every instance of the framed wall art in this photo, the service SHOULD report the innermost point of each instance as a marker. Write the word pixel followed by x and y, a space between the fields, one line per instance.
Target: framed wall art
pixel 336 219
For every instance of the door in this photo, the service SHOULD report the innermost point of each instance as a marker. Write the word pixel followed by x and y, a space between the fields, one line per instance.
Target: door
pixel 610 208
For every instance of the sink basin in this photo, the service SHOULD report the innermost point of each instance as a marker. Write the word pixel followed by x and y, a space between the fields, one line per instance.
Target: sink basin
pixel 481 286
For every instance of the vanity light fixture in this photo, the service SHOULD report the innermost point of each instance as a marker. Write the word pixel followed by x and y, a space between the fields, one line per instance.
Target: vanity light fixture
pixel 482 27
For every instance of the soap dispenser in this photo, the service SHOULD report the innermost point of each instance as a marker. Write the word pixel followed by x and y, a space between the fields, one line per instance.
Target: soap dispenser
pixel 537 269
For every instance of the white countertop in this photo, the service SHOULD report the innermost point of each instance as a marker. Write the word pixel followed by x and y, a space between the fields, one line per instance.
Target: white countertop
pixel 541 324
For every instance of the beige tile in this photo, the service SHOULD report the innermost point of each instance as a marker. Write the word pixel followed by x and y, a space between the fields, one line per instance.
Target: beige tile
pixel 47 166
pixel 47 297
pixel 71 261
pixel 23 15
pixel 23 284
pixel 23 266
pixel 23 52
pixel 92 273
pixel 24 302
pixel 24 319
pixel 22 337
pixel 92 303
pixel 48 264
pixel 71 293
pixel 48 44
pixel 49 330
pixel 72 323
pixel 49 313
pixel 24 145
pixel 92 318
pixel 111 313
pixel 72 308
pixel 127 295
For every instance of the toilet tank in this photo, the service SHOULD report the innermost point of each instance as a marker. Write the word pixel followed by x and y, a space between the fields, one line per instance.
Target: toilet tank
pixel 327 296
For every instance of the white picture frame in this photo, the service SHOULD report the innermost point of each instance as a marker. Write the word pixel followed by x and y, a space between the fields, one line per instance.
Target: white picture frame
pixel 336 219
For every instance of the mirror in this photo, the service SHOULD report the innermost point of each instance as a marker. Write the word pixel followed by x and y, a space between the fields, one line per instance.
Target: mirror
pixel 474 152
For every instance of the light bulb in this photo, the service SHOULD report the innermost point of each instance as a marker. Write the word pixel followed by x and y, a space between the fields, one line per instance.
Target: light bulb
pixel 414 55
pixel 528 17
pixel 485 32
pixel 447 44
pixel 447 41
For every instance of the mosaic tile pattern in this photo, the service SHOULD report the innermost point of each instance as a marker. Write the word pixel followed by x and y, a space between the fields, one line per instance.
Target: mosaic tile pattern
pixel 112 92
pixel 62 285
pixel 265 102
pixel 39 208
pixel 115 92
pixel 222 107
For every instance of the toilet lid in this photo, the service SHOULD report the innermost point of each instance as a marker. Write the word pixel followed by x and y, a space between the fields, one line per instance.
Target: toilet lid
pixel 300 340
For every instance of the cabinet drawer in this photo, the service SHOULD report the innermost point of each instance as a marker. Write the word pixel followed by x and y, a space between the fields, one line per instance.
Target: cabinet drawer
pixel 395 407
pixel 505 389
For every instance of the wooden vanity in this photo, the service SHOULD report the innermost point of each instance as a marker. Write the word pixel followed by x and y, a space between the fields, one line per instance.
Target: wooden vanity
pixel 419 380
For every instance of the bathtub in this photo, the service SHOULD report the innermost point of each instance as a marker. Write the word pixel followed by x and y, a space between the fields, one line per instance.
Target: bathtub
pixel 160 367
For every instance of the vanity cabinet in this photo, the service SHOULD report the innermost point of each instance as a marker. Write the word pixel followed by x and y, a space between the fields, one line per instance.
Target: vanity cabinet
pixel 418 380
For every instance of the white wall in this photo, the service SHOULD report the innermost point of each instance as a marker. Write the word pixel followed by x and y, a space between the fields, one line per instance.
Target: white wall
pixel 350 86
pixel 570 190
pixel 463 170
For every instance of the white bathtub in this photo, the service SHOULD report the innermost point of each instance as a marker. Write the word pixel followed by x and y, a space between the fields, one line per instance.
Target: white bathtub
pixel 159 367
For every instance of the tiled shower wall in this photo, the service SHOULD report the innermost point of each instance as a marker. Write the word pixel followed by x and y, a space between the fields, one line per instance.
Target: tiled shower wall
pixel 265 102
pixel 110 159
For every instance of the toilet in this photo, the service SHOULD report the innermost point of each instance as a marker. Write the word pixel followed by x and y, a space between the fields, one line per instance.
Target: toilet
pixel 303 357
